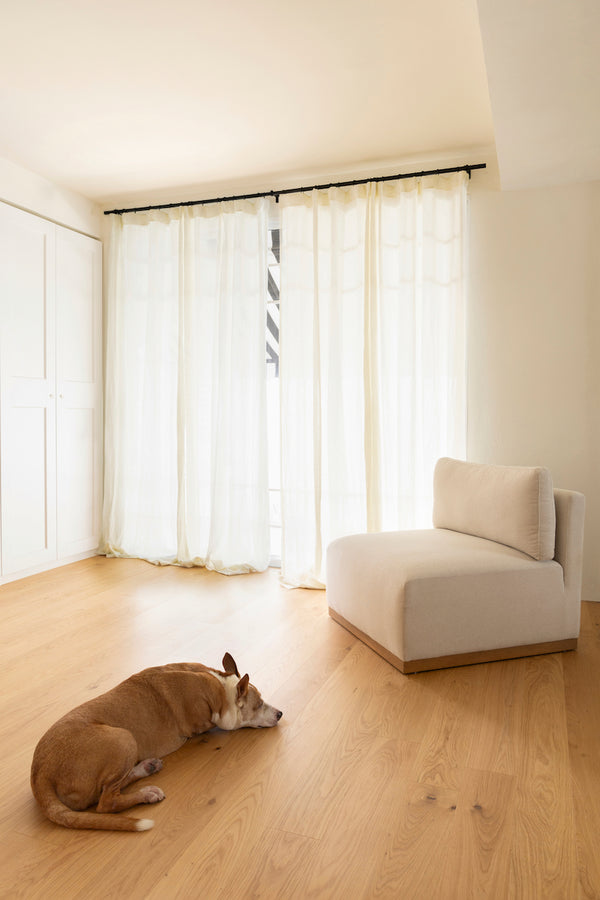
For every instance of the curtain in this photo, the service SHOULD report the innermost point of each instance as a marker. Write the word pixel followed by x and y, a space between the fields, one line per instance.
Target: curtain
pixel 372 370
pixel 185 448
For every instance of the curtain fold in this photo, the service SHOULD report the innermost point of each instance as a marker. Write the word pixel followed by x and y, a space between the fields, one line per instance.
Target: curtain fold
pixel 372 359
pixel 185 448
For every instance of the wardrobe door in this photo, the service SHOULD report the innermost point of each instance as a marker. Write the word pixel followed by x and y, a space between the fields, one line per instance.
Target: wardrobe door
pixel 27 390
pixel 78 380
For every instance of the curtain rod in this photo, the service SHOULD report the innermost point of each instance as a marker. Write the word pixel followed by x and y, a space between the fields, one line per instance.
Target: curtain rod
pixel 299 190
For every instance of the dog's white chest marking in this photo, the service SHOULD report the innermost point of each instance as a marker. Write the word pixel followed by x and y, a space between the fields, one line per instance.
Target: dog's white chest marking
pixel 229 718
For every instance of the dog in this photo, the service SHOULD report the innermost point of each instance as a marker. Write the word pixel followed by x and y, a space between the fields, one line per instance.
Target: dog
pixel 102 746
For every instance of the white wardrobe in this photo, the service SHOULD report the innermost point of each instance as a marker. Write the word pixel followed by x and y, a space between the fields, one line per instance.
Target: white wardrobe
pixel 50 393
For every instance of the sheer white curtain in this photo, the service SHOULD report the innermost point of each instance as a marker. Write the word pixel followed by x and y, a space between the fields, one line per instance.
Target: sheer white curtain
pixel 185 450
pixel 372 345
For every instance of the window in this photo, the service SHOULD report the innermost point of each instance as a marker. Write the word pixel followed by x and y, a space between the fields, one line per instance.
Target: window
pixel 273 418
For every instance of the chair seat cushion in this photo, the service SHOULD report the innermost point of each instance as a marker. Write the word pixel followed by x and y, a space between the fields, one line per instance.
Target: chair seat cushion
pixel 429 593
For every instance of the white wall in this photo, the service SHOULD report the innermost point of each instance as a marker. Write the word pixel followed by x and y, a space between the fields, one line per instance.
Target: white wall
pixel 534 339
pixel 31 192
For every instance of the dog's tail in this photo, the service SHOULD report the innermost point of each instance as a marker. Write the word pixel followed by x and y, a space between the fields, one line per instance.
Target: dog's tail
pixel 61 814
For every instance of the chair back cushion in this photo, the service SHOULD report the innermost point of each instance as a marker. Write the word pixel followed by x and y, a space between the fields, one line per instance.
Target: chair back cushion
pixel 511 505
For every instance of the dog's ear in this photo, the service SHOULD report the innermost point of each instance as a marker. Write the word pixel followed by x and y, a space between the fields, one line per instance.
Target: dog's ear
pixel 242 687
pixel 229 665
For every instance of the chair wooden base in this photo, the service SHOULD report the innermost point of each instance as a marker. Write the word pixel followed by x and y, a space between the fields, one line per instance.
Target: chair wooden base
pixel 410 666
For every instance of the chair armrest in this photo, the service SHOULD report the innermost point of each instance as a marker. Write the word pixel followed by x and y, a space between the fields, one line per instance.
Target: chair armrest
pixel 568 552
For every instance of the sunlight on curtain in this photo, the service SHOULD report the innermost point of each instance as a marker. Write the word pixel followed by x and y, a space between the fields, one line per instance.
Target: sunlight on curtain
pixel 185 451
pixel 372 346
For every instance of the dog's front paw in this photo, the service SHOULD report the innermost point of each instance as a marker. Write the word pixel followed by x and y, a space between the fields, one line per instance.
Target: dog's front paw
pixel 152 794
pixel 152 765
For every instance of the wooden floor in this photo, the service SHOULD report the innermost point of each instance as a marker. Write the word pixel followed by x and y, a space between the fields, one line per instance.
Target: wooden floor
pixel 479 782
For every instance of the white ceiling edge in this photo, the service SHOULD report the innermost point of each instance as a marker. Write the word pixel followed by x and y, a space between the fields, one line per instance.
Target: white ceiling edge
pixel 308 177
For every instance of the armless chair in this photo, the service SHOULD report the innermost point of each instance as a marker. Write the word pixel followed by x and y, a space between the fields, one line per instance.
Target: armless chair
pixel 497 577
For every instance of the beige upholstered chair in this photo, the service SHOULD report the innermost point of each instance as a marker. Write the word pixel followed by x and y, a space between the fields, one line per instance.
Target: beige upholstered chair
pixel 499 575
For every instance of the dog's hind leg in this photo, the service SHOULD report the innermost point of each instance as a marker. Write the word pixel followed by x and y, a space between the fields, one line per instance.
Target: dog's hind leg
pixel 119 752
pixel 112 800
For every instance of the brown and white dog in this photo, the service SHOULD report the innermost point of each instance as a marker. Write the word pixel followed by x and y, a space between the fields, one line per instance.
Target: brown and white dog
pixel 100 747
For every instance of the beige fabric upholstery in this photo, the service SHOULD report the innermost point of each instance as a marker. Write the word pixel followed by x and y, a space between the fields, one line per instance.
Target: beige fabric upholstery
pixel 439 592
pixel 512 505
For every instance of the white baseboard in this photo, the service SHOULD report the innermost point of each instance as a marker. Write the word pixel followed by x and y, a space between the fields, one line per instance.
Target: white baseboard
pixel 35 570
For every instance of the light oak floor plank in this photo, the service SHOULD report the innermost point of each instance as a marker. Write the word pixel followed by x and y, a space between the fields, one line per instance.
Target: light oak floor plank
pixel 481 781
pixel 582 695
pixel 543 858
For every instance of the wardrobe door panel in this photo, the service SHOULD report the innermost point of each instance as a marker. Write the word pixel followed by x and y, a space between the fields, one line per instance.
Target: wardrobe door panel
pixel 27 390
pixel 79 407
pixel 28 537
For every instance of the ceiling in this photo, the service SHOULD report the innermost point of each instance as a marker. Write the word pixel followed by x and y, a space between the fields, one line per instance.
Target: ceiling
pixel 115 99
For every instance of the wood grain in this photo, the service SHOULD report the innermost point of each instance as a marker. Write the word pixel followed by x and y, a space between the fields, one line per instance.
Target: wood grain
pixel 473 782
pixel 582 697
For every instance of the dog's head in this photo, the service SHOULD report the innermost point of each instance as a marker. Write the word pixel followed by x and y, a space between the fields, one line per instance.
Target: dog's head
pixel 245 707
pixel 252 711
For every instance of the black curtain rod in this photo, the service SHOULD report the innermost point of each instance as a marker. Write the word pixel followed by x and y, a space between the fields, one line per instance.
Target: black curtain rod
pixel 299 190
